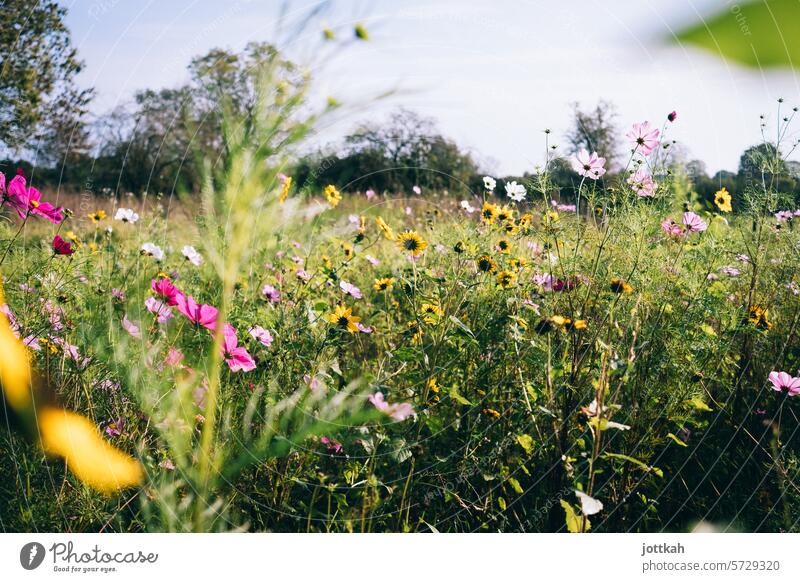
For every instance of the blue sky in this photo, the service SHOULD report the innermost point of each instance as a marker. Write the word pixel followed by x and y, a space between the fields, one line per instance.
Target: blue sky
pixel 494 73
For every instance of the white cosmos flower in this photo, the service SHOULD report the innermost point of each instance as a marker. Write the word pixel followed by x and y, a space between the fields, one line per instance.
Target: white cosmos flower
pixel 589 505
pixel 515 191
pixel 468 207
pixel 489 183
pixel 192 255
pixel 153 251
pixel 126 215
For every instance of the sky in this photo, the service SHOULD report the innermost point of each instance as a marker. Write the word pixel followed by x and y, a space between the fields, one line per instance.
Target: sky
pixel 494 74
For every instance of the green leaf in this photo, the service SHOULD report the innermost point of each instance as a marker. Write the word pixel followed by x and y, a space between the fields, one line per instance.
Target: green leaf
pixel 677 440
pixel 462 326
pixel 458 398
pixel 697 403
pixel 515 485
pixel 759 33
pixel 502 503
pixel 526 442
pixel 637 462
pixel 573 520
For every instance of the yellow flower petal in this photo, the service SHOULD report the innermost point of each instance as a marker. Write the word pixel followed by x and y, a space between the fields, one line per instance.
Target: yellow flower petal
pixel 88 456
pixel 15 372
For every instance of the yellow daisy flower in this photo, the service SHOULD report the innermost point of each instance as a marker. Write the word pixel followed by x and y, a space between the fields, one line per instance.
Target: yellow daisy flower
pixel 343 318
pixel 411 243
pixel 332 195
pixel 383 284
pixel 723 200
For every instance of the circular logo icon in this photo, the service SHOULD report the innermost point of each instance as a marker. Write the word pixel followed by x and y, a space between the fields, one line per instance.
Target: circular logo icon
pixel 31 555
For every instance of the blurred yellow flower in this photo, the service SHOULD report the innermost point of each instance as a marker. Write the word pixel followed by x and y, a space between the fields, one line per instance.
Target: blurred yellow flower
pixel 97 216
pixel 506 279
pixel 15 372
pixel 87 455
pixel 332 195
pixel 388 233
pixel 383 284
pixel 287 185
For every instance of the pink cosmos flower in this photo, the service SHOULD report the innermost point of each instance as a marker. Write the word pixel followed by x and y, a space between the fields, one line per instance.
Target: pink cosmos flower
pixel 642 183
pixel 118 294
pixel 164 288
pixel 162 311
pixel 545 281
pixel 237 358
pixel 372 260
pixel 693 222
pixel 589 165
pixel 370 194
pixel 303 275
pixel 417 190
pixel 131 327
pixel 29 200
pixel 398 412
pixel 731 271
pixel 201 314
pixel 363 328
pixel 333 445
pixel 261 334
pixel 643 137
pixel 174 357
pixel 350 289
pixel 781 381
pixel 115 427
pixel 271 293
pixel 672 228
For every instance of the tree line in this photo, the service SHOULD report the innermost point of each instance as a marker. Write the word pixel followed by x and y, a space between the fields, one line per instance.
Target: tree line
pixel 158 141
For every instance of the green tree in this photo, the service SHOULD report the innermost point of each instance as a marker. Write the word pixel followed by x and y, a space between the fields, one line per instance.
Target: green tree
pixel 38 65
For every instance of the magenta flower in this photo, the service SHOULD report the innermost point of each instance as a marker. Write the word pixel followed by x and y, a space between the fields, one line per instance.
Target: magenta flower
pixel 693 222
pixel 29 200
pixel 271 293
pixel 261 335
pixel 237 358
pixel 350 289
pixel 164 288
pixel 589 165
pixel 781 381
pixel 201 314
pixel 672 116
pixel 398 412
pixel 642 183
pixel 333 445
pixel 62 247
pixel 644 138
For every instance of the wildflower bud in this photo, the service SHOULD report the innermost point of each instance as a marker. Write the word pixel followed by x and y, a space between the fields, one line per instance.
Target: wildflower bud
pixel 361 32
pixel 672 116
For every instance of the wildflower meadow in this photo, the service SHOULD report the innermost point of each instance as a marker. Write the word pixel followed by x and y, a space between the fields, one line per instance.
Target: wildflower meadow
pixel 265 349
